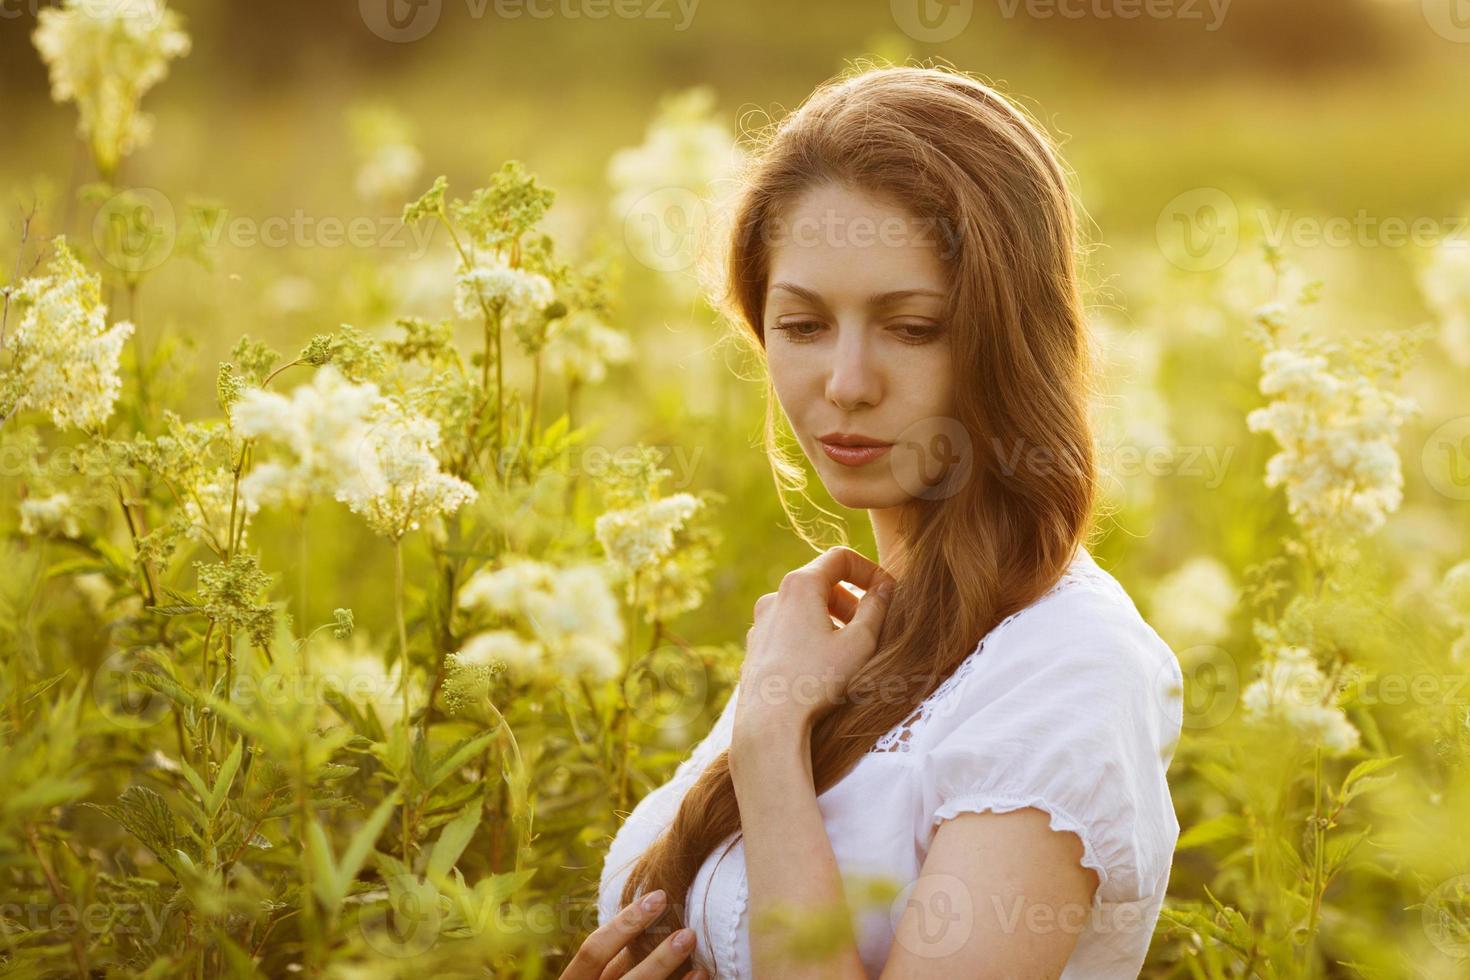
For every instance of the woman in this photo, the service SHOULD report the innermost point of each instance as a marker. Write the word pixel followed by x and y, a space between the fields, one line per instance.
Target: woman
pixel 903 256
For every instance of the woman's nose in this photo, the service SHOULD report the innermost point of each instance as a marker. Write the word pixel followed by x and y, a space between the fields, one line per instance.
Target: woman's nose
pixel 853 378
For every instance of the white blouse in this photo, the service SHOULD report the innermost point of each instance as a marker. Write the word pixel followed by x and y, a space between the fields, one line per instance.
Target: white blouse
pixel 1071 705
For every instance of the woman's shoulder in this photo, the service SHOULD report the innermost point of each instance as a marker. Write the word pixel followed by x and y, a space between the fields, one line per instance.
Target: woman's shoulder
pixel 1083 637
pixel 1088 618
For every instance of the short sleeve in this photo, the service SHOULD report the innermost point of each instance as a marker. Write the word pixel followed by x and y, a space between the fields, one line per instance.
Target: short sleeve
pixel 1073 708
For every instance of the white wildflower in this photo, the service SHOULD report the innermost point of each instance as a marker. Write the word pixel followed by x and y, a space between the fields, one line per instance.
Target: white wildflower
pixel 395 481
pixel 66 356
pixel 1192 605
pixel 1455 592
pixel 104 55
pixel 1337 435
pixel 519 295
pixel 56 513
pixel 669 190
pixel 323 424
pixel 500 650
pixel 572 613
pixel 506 590
pixel 583 346
pixel 637 537
pixel 1293 691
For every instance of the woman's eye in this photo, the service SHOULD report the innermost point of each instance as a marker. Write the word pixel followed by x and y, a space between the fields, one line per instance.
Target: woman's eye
pixel 797 332
pixel 916 333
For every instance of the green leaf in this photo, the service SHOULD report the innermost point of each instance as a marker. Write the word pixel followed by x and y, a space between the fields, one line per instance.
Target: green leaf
pixel 1223 827
pixel 240 963
pixel 145 815
pixel 362 843
pixel 460 754
pixel 216 798
pixel 453 839
pixel 323 866
pixel 195 780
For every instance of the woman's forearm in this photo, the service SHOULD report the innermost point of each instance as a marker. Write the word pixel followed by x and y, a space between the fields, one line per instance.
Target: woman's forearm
pixel 788 857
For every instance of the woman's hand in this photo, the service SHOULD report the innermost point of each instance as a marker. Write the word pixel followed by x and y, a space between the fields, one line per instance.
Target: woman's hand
pixel 798 662
pixel 604 955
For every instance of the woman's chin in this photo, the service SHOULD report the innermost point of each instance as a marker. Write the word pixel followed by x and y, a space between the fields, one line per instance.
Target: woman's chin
pixel 856 493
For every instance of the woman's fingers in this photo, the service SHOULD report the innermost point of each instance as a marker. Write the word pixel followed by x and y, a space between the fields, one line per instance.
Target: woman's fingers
pixel 619 966
pixel 845 565
pixel 841 603
pixel 664 961
pixel 599 949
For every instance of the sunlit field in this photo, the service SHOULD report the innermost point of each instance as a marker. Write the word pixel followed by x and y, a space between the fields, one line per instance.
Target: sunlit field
pixel 383 499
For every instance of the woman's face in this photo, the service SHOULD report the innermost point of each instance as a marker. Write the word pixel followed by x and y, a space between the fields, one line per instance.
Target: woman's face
pixel 856 341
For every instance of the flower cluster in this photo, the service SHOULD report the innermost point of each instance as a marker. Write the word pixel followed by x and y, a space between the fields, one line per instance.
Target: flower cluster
pixel 55 513
pixel 1337 432
pixel 669 191
pixel 396 483
pixel 584 346
pixel 637 537
pixel 566 621
pixel 322 424
pixel 105 55
pixel 1292 691
pixel 349 441
pixel 65 356
pixel 518 295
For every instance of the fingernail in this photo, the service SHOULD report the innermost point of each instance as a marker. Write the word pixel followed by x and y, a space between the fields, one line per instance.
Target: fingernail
pixel 683 939
pixel 886 589
pixel 653 900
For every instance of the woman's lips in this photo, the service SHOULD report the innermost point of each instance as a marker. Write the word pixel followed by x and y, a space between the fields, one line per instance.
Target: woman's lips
pixel 854 455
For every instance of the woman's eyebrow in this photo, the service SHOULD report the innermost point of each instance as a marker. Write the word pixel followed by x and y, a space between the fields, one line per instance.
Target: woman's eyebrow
pixel 877 299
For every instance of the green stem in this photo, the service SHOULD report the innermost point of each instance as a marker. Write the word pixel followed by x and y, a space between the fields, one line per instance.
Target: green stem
pixel 403 668
pixel 1318 840
pixel 302 555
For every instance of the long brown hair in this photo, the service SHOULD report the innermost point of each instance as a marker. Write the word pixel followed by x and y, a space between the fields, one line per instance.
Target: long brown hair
pixel 954 152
